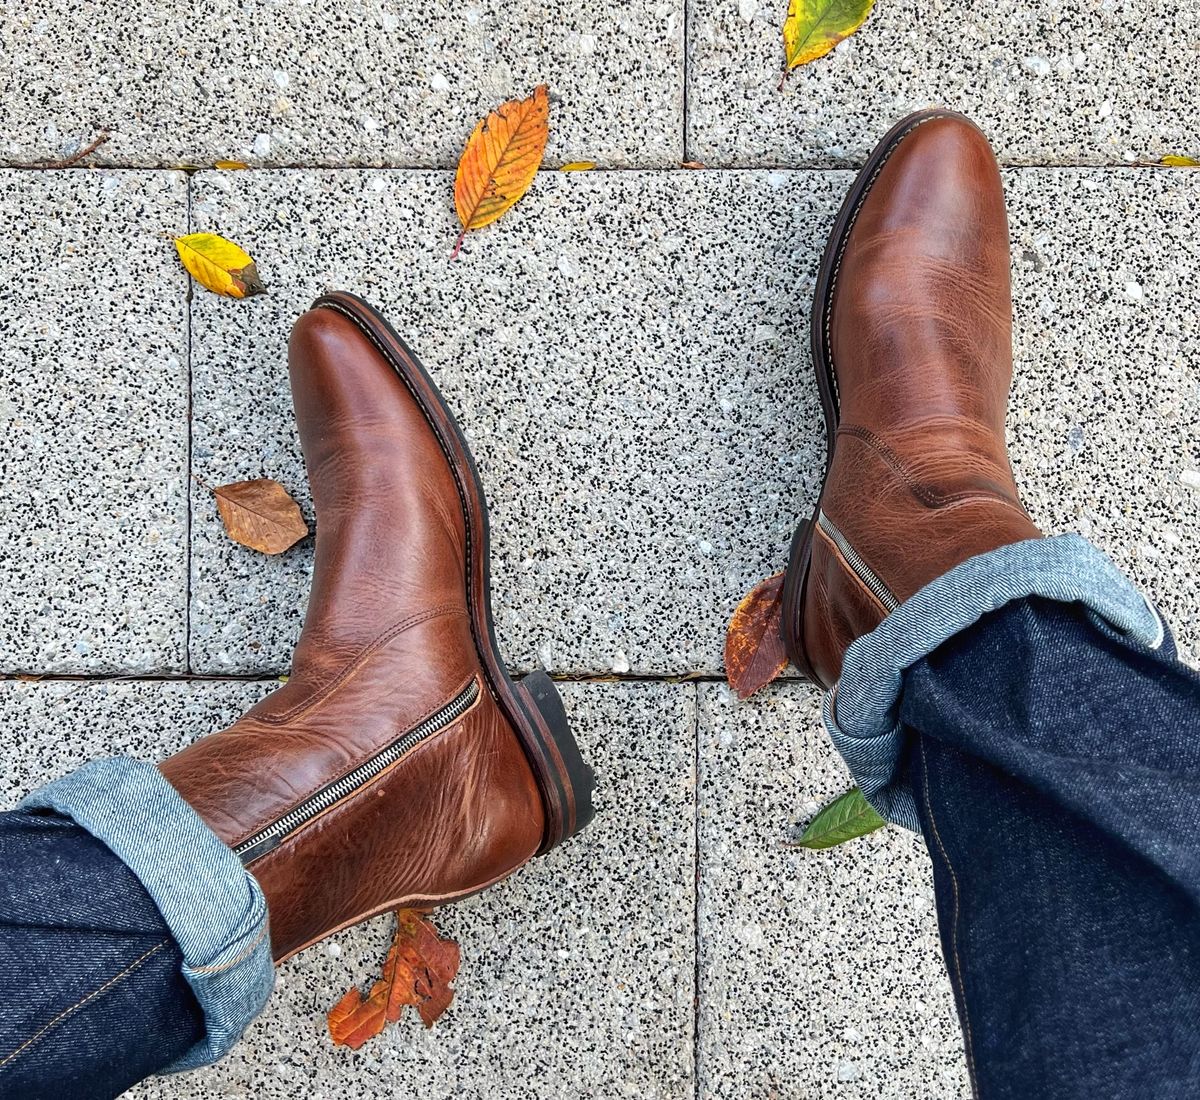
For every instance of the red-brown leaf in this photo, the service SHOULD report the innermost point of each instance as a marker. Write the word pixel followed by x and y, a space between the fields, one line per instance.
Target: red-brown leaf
pixel 260 514
pixel 754 652
pixel 418 971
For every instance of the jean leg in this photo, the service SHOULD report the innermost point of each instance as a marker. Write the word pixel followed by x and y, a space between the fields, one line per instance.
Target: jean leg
pixel 91 983
pixel 1056 772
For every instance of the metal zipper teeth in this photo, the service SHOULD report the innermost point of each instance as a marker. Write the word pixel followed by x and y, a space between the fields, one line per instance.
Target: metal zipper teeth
pixel 861 569
pixel 268 838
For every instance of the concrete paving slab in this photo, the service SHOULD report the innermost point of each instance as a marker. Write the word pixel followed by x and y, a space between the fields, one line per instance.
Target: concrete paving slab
pixel 820 972
pixel 93 413
pixel 628 355
pixel 1070 82
pixel 622 351
pixel 334 82
pixel 577 975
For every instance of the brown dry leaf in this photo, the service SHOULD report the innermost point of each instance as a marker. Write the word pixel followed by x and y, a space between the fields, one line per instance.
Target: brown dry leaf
pixel 501 158
pixel 419 968
pixel 260 514
pixel 220 265
pixel 754 652
pixel 694 164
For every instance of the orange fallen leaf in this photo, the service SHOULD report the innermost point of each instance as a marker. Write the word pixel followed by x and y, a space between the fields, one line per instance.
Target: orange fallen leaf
pixel 754 651
pixel 419 968
pixel 231 165
pixel 260 514
pixel 501 158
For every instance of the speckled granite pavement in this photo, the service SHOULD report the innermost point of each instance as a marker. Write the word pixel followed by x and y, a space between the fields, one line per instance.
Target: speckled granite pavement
pixel 627 350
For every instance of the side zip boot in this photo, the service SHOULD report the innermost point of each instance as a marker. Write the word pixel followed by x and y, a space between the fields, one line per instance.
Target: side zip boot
pixel 400 766
pixel 912 345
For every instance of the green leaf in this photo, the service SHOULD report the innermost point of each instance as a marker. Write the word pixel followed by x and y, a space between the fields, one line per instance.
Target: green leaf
pixel 814 27
pixel 847 816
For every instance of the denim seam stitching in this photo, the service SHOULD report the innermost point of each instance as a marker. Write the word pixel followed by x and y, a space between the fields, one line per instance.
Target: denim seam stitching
pixel 220 968
pixel 954 921
pixel 42 1031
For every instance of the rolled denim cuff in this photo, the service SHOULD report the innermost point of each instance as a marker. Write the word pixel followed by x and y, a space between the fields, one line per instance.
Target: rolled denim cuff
pixel 861 711
pixel 212 906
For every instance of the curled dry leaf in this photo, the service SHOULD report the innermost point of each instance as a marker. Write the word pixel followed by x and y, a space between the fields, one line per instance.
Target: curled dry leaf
pixel 261 515
pixel 813 27
pixel 754 651
pixel 694 164
pixel 848 816
pixel 220 265
pixel 501 158
pixel 419 968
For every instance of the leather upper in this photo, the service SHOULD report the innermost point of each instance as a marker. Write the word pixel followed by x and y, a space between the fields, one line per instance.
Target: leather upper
pixel 920 337
pixel 387 642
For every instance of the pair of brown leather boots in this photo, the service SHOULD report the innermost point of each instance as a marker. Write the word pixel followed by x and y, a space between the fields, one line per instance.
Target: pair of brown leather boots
pixel 400 766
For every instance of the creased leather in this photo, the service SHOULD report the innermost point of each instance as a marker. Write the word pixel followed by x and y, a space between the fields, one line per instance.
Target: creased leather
pixel 921 339
pixel 387 641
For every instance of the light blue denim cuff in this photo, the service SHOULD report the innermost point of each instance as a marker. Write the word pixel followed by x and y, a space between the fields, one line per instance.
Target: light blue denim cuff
pixel 862 710
pixel 211 904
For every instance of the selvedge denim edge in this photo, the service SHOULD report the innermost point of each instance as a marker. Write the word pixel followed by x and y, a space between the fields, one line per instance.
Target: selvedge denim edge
pixel 212 905
pixel 861 711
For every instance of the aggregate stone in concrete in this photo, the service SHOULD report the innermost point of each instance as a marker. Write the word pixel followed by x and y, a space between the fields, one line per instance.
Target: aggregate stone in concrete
pixel 820 972
pixel 1105 415
pixel 577 973
pixel 625 352
pixel 93 414
pixel 334 81
pixel 1069 82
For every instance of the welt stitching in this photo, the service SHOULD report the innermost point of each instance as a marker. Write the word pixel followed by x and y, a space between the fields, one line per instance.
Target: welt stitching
pixel 348 669
pixel 42 1031
pixel 841 252
pixel 962 989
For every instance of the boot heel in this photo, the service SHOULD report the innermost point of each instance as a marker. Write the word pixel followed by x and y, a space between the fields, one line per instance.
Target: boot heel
pixel 566 780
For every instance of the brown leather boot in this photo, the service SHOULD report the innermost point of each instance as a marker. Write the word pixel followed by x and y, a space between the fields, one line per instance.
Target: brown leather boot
pixel 911 339
pixel 399 766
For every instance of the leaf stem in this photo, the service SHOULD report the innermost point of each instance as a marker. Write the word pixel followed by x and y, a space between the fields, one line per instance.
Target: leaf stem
pixel 458 243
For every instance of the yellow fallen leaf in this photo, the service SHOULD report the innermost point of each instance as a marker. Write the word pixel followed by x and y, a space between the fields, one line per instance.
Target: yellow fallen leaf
pixel 219 265
pixel 230 165
pixel 813 27
pixel 501 158
pixel 1181 162
pixel 578 166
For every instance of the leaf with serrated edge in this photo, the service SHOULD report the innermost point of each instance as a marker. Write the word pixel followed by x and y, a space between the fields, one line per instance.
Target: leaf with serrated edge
pixel 848 816
pixel 501 158
pixel 814 27
pixel 754 651
pixel 419 968
pixel 260 514
pixel 219 265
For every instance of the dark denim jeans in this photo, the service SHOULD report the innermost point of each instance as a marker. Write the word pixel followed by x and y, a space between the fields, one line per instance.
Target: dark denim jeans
pixel 92 994
pixel 1056 773
pixel 1056 770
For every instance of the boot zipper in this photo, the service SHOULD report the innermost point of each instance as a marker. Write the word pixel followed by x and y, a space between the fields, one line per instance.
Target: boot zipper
pixel 859 567
pixel 262 842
